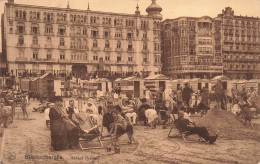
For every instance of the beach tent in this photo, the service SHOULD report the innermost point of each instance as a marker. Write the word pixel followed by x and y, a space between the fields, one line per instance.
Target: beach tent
pixel 223 79
pixel 132 86
pixel 156 82
pixel 255 83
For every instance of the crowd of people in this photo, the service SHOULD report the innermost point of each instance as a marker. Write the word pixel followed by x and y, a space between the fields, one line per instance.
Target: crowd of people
pixel 68 123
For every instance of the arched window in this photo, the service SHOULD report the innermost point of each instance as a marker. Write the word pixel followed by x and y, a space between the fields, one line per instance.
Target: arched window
pixel 78 31
pixel 35 40
pixel 62 42
pixel 95 43
pixel 85 44
pixel 24 15
pixel 107 45
pixel 62 55
pixel 35 54
pixel 118 45
pixel 84 31
pixel 145 46
pixel 38 15
pixel 72 43
pixel 130 46
pixel 21 39
pixel 16 13
pixel 79 43
pixel 49 55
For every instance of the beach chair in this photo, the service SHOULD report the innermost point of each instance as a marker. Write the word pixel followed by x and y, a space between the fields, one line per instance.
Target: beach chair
pixel 183 134
pixel 90 131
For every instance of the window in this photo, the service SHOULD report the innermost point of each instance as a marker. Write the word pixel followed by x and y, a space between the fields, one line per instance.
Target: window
pixel 106 33
pixel 118 58
pixel 145 46
pixel 130 58
pixel 130 46
pixel 48 29
pixel 107 58
pixel 95 43
pixel 72 43
pixel 95 57
pixel 35 40
pixel 118 33
pixel 79 43
pixel 107 45
pixel 145 35
pixel 84 31
pixel 62 42
pixel 48 55
pixel 78 31
pixel 85 44
pixel 20 28
pixel 118 45
pixel 62 55
pixel 38 15
pixel 129 34
pixel 61 30
pixel 21 40
pixel 94 33
pixel 35 55
pixel 35 29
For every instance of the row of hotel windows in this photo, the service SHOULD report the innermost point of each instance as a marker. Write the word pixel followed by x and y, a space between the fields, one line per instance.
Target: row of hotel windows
pixel 242 57
pixel 79 31
pixel 80 19
pixel 241 22
pixel 76 43
pixel 240 66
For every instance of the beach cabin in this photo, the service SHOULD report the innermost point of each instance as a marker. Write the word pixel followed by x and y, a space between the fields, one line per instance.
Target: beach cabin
pixel 175 84
pixel 45 85
pixel 240 84
pixel 90 88
pixel 155 82
pixel 132 87
pixel 205 83
pixel 255 83
pixel 183 82
pixel 117 82
pixel 196 84
pixel 223 79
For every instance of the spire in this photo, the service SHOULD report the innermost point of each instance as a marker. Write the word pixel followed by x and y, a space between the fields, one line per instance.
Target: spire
pixel 137 12
pixel 88 6
pixel 68 4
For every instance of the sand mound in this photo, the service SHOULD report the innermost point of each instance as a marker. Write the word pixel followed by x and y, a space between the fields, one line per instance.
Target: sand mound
pixel 226 125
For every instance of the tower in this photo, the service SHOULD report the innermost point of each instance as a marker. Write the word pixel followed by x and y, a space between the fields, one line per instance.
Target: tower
pixel 154 10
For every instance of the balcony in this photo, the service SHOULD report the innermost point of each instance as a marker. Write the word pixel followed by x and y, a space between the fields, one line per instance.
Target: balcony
pixel 145 51
pixel 95 36
pixel 107 49
pixel 49 60
pixel 158 63
pixel 157 51
pixel 80 61
pixel 21 45
pixel 145 39
pixel 95 48
pixel 61 34
pixel 35 32
pixel 49 46
pixel 131 62
pixel 49 33
pixel 20 32
pixel 62 47
pixel 63 60
pixel 145 63
pixel 119 49
pixel 130 50
pixel 21 59
pixel 120 62
pixel 35 45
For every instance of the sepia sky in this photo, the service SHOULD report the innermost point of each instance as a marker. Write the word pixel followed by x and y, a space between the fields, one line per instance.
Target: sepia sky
pixel 171 8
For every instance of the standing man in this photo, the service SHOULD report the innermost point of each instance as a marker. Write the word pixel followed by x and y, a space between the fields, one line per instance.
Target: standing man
pixel 70 109
pixel 186 94
pixel 219 92
pixel 23 106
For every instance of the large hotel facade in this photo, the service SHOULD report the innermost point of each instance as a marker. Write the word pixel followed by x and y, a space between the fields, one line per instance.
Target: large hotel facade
pixel 39 39
pixel 205 47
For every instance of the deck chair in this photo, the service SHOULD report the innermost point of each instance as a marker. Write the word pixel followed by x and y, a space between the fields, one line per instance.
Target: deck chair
pixel 182 134
pixel 89 132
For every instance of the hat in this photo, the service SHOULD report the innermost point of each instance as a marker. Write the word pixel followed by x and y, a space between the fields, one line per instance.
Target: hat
pixel 57 98
pixel 114 111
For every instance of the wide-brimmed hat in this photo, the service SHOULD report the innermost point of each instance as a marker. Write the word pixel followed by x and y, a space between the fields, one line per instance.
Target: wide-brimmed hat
pixel 57 98
pixel 143 100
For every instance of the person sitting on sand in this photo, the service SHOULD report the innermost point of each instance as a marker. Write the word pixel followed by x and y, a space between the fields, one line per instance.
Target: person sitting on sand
pixel 186 125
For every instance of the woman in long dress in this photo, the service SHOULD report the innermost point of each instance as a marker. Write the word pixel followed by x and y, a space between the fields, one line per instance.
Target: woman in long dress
pixel 64 133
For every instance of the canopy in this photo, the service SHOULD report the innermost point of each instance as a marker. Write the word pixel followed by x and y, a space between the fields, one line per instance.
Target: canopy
pixel 221 77
pixel 157 77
